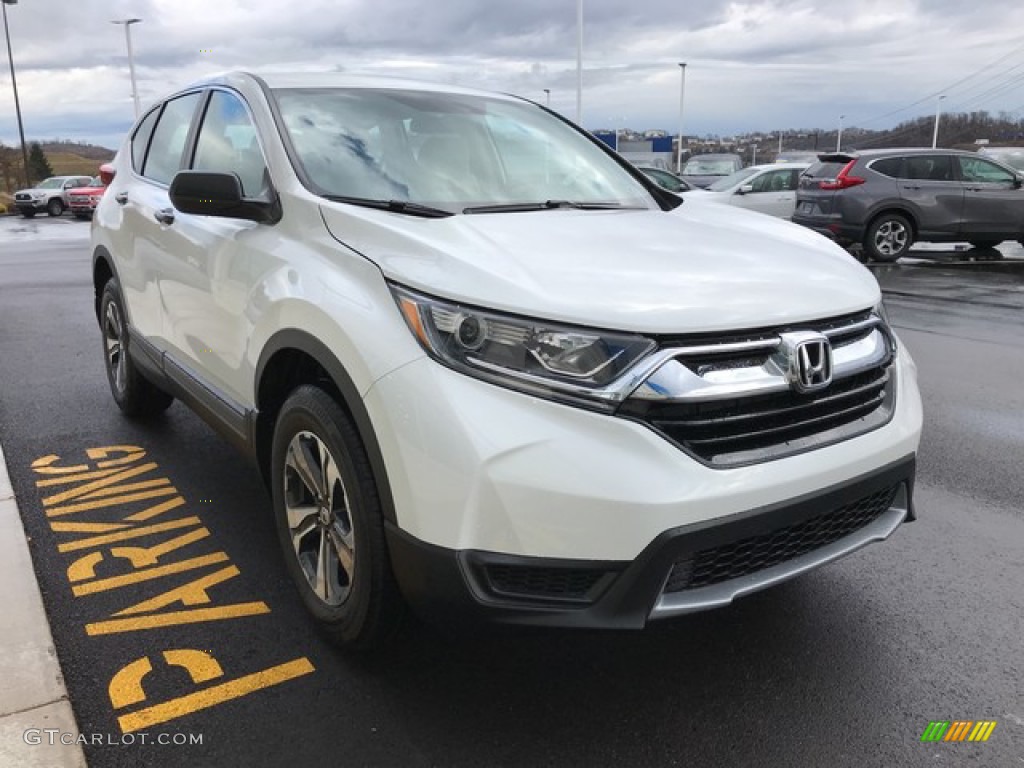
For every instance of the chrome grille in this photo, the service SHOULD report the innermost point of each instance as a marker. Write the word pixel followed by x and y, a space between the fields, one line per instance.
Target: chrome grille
pixel 731 402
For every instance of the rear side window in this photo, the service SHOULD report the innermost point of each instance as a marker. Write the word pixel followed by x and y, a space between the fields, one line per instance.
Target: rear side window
pixel 928 167
pixel 164 157
pixel 888 166
pixel 141 139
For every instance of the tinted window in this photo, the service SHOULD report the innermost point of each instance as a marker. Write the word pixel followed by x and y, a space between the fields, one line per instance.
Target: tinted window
pixel 824 170
pixel 141 139
pixel 164 157
pixel 928 167
pixel 775 181
pixel 227 143
pixel 975 169
pixel 888 166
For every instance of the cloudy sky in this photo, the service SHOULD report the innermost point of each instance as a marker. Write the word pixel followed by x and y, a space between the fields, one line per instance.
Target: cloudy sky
pixel 751 64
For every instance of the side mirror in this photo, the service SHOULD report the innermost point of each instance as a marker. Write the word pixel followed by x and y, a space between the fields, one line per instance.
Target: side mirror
pixel 746 189
pixel 219 194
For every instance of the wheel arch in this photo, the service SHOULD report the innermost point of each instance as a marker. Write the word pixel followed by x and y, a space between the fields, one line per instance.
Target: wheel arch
pixel 102 270
pixel 899 209
pixel 291 358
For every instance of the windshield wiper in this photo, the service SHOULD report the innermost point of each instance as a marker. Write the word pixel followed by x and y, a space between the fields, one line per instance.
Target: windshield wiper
pixel 394 206
pixel 548 205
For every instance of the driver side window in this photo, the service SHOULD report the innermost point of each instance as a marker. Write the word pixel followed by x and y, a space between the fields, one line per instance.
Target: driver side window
pixel 227 143
pixel 974 169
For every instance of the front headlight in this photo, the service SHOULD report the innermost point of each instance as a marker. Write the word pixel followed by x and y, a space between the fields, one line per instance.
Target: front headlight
pixel 535 356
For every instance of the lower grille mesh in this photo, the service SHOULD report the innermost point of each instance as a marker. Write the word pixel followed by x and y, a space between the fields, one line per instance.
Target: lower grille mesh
pixel 755 553
pixel 543 583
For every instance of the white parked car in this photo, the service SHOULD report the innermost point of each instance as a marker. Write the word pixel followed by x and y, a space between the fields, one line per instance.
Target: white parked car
pixel 767 189
pixel 487 367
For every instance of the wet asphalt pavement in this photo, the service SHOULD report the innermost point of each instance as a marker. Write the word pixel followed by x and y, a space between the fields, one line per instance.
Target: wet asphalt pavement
pixel 843 667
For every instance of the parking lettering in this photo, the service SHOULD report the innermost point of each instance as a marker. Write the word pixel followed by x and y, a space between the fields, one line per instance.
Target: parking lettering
pixel 126 686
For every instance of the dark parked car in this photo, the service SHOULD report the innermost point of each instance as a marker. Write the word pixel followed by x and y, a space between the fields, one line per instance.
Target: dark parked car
pixel 665 179
pixel 704 170
pixel 887 199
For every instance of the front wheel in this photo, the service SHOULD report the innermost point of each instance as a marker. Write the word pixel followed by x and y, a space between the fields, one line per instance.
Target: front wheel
pixel 329 521
pixel 135 395
pixel 888 238
pixel 55 207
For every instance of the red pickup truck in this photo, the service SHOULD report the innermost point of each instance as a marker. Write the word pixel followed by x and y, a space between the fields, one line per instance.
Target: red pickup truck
pixel 83 200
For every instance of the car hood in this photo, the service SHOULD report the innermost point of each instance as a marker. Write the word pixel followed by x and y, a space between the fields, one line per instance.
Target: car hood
pixel 33 190
pixel 701 181
pixel 695 269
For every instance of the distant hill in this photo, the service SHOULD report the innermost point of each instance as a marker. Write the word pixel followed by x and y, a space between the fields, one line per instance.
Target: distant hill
pixel 88 151
pixel 67 158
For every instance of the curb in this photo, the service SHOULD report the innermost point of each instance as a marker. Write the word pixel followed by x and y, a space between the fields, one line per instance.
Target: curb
pixel 33 698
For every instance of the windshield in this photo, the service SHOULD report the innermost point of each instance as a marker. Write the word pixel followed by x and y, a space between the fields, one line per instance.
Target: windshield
pixel 54 183
pixel 735 179
pixel 1011 157
pixel 449 151
pixel 96 181
pixel 701 167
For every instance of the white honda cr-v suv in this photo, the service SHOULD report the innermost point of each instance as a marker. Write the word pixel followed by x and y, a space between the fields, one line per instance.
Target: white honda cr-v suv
pixel 486 367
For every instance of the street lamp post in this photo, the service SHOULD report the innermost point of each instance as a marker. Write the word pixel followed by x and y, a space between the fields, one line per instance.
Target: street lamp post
pixel 839 136
pixel 14 83
pixel 579 62
pixel 547 96
pixel 682 93
pixel 935 133
pixel 131 60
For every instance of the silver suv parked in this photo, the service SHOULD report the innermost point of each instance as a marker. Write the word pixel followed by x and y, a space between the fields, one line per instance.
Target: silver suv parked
pixel 887 199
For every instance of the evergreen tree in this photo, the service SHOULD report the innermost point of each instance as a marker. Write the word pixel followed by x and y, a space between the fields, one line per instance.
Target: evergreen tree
pixel 38 166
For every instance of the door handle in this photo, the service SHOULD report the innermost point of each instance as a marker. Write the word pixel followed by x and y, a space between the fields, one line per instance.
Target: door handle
pixel 164 215
pixel 121 198
pixel 974 189
pixel 910 186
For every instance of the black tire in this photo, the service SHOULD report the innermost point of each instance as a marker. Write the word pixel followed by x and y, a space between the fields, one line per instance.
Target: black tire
pixel 985 243
pixel 55 207
pixel 888 238
pixel 135 395
pixel 28 214
pixel 333 539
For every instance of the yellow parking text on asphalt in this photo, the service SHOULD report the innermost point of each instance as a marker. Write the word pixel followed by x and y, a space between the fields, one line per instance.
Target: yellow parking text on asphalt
pixel 126 527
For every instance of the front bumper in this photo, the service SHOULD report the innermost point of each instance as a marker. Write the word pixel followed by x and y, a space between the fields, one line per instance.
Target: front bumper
pixel 31 205
pixel 685 569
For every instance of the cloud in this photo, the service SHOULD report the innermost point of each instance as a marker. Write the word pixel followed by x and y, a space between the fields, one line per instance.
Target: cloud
pixel 752 64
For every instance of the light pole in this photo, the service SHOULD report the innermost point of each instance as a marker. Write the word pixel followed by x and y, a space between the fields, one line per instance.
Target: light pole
pixel 547 96
pixel 579 62
pixel 682 93
pixel 839 136
pixel 780 142
pixel 131 61
pixel 935 133
pixel 14 83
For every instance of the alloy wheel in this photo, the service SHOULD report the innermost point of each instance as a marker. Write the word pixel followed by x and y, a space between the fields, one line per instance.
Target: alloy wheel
pixel 113 336
pixel 319 518
pixel 891 238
